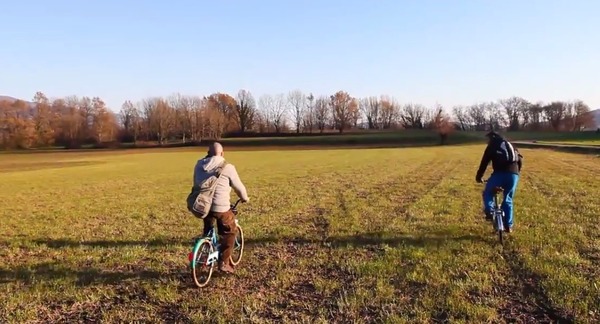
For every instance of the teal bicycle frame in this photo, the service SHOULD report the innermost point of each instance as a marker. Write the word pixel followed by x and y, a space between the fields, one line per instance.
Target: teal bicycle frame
pixel 211 240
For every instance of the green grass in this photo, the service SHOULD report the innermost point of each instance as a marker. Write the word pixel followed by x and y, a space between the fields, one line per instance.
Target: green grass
pixel 373 235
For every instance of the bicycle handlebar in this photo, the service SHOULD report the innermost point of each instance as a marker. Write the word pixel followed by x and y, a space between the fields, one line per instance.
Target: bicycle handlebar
pixel 236 203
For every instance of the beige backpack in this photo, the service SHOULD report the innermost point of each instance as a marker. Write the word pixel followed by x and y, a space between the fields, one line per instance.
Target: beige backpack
pixel 200 198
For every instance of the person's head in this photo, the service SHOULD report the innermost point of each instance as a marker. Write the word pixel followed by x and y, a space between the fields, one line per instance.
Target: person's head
pixel 215 149
pixel 492 135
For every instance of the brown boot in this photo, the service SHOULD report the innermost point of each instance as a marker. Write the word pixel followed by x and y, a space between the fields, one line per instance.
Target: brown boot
pixel 226 267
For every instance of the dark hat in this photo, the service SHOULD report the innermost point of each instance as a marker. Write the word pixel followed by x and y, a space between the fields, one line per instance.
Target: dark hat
pixel 493 134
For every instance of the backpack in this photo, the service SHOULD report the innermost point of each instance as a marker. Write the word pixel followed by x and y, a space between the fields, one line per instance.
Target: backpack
pixel 200 198
pixel 505 153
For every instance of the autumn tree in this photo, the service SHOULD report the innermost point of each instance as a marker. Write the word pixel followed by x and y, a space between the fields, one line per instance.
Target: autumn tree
pixel 160 118
pixel 343 110
pixel 226 105
pixel 45 120
pixel 19 125
pixel 104 122
pixel 4 123
pixel 71 121
pixel 86 109
pixel 442 124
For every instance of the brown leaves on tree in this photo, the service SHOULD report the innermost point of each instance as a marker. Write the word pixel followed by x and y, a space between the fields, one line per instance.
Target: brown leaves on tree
pixel 76 121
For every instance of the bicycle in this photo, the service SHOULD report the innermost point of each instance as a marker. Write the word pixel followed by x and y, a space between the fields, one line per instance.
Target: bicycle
pixel 498 213
pixel 206 252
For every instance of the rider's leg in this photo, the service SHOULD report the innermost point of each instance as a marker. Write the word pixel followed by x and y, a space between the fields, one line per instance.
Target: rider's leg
pixel 227 231
pixel 510 187
pixel 208 224
pixel 495 180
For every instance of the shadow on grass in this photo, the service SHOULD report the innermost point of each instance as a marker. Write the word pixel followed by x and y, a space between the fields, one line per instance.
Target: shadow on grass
pixel 431 238
pixel 55 271
pixel 66 243
pixel 86 276
pixel 373 239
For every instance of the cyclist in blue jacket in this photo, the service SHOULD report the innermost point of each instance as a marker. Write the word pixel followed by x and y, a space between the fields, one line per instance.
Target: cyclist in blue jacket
pixel 506 163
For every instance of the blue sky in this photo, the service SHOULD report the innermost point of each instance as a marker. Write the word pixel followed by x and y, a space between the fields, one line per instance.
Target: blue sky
pixel 450 52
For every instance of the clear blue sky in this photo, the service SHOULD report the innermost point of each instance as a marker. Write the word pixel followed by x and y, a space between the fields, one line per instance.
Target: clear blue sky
pixel 451 52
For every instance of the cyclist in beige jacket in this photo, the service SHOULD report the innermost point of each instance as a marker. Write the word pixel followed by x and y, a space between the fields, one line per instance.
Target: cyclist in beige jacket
pixel 221 204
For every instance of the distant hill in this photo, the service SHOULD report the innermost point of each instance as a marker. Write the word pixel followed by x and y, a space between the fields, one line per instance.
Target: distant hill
pixel 13 99
pixel 7 98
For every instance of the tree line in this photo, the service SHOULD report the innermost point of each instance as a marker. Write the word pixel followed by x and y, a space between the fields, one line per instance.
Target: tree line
pixel 74 121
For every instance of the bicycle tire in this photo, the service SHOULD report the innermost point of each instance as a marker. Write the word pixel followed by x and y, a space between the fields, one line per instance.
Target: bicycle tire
pixel 500 226
pixel 239 243
pixel 199 251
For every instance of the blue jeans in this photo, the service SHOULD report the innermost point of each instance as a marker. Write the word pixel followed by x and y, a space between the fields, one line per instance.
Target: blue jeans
pixel 508 181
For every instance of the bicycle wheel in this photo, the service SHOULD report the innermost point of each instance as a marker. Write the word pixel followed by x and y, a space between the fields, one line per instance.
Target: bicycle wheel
pixel 500 226
pixel 238 247
pixel 201 271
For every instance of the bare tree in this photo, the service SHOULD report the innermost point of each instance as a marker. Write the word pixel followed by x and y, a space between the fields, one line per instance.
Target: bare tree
pixel 413 116
pixel 131 120
pixel 274 109
pixel 297 101
pixel 322 113
pixel 72 121
pixel 462 116
pixel 390 112
pixel 308 119
pixel 245 110
pixel 477 113
pixel 514 108
pixel 370 108
pixel 533 116
pixel 182 108
pixel 555 113
pixel 198 119
pixel 578 116
pixel 495 115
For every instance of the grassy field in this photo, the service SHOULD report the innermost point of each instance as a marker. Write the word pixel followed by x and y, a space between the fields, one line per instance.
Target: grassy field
pixel 372 235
